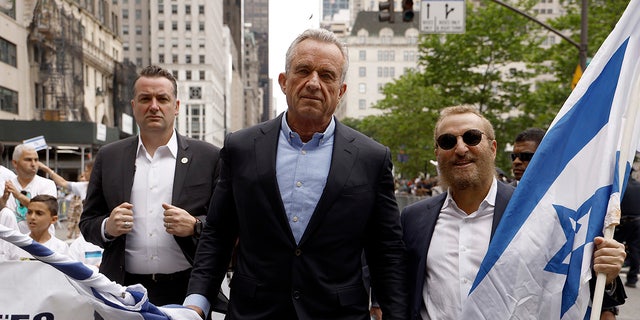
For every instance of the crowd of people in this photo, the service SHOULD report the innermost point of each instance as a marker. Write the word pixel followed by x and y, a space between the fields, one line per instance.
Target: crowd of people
pixel 299 207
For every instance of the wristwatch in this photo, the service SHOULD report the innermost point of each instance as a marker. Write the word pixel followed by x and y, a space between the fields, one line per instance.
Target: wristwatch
pixel 197 228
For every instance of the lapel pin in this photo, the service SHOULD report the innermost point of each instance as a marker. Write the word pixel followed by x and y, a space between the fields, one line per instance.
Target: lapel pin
pixel 184 160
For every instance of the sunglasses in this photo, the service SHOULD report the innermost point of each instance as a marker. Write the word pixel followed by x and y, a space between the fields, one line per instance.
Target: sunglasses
pixel 524 156
pixel 471 138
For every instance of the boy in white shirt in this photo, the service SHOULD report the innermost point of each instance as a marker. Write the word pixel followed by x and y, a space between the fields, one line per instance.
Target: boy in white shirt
pixel 42 212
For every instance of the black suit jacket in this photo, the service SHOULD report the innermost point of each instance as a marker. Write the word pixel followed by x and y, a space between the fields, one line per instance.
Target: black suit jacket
pixel 321 277
pixel 418 223
pixel 110 185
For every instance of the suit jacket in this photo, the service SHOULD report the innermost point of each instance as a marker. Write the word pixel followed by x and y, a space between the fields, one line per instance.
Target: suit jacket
pixel 418 223
pixel 321 277
pixel 111 182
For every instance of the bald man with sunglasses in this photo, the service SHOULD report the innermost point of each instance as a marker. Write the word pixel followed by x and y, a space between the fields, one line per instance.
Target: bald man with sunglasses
pixel 461 221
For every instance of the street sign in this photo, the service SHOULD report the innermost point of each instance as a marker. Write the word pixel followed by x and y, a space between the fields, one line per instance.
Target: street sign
pixel 442 16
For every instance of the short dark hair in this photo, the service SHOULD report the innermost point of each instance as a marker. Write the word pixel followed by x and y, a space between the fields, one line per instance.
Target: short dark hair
pixel 531 134
pixel 50 201
pixel 153 71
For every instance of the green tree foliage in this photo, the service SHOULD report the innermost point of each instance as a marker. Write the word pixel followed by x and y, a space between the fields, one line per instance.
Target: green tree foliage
pixel 495 65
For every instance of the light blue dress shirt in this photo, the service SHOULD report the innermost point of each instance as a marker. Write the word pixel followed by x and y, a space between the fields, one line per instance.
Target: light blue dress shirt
pixel 302 170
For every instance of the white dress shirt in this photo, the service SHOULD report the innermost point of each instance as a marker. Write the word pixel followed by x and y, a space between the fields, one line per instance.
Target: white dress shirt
pixel 150 249
pixel 458 245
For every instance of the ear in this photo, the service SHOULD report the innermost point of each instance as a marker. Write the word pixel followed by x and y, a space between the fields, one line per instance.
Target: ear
pixel 54 219
pixel 177 111
pixel 282 80
pixel 343 89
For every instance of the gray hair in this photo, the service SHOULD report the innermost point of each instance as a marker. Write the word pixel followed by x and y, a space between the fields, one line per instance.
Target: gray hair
pixel 20 149
pixel 321 35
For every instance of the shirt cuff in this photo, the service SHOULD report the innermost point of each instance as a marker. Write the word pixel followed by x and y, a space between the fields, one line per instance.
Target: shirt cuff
pixel 199 301
pixel 104 231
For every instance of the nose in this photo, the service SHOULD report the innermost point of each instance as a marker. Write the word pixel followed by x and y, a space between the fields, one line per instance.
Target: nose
pixel 314 80
pixel 461 147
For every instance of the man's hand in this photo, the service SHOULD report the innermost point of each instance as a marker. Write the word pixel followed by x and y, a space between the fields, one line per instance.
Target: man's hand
pixel 196 309
pixel 607 315
pixel 120 220
pixel 177 221
pixel 608 257
pixel 376 313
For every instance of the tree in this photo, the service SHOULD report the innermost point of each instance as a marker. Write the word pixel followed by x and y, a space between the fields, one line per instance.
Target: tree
pixel 498 65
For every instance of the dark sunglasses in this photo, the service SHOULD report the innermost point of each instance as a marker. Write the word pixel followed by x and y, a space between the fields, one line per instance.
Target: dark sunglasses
pixel 471 138
pixel 524 156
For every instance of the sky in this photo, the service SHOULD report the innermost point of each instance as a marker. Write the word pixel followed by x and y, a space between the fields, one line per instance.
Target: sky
pixel 287 19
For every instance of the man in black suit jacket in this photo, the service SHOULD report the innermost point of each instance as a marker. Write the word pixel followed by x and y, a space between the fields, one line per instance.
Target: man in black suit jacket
pixel 148 195
pixel 303 195
pixel 461 221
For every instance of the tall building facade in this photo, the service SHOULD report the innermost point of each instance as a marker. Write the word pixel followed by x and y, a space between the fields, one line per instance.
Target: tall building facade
pixel 379 53
pixel 256 15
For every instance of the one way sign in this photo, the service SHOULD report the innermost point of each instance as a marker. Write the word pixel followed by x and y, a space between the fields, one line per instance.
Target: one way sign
pixel 442 16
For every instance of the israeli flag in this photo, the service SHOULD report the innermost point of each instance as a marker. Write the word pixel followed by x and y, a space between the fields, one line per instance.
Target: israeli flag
pixel 111 300
pixel 538 264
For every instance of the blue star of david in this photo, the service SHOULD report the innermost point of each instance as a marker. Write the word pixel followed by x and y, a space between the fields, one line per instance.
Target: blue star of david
pixel 570 221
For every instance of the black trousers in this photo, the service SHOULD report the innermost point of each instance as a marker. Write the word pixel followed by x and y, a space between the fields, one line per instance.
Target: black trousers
pixel 628 232
pixel 162 289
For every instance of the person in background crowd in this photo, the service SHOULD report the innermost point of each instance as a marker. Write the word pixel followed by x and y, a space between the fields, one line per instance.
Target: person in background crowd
pixel 148 195
pixel 42 212
pixel 523 149
pixel 26 184
pixel 303 195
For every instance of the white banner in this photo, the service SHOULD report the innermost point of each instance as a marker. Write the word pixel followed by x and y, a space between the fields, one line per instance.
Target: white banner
pixel 32 290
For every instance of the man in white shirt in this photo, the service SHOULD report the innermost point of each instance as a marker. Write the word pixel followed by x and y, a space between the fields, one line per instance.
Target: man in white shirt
pixel 461 222
pixel 148 195
pixel 26 184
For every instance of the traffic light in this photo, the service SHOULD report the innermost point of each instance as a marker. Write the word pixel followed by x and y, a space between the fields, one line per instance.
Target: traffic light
pixel 407 10
pixel 386 11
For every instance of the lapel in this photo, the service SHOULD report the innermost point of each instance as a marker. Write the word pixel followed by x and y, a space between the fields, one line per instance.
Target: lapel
pixel 344 156
pixel 502 199
pixel 265 146
pixel 128 168
pixel 183 162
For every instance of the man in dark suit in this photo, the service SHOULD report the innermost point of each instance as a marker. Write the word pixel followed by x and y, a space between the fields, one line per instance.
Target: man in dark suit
pixel 304 195
pixel 629 229
pixel 148 195
pixel 461 221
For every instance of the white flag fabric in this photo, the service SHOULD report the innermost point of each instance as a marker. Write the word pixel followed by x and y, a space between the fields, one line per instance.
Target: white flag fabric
pixel 538 264
pixel 111 300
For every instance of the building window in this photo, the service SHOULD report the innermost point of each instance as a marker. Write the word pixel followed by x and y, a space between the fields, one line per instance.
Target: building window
pixel 174 25
pixel 187 26
pixel 175 73
pixel 125 29
pixel 188 75
pixel 160 7
pixel 174 9
pixel 138 46
pixel 196 121
pixel 174 58
pixel 8 100
pixel 195 93
pixel 125 13
pixel 138 14
pixel 138 30
pixel 362 71
pixel 202 75
pixel 139 62
pixel 201 26
pixel 201 9
pixel 362 104
pixel 188 58
pixel 161 58
pixel 201 59
pixel 362 87
pixel 187 9
pixel 362 55
pixel 160 25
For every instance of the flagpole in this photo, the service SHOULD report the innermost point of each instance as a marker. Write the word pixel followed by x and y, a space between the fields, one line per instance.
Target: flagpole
pixel 612 218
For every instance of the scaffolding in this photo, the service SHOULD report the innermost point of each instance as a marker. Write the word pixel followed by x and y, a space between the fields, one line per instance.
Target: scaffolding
pixel 55 37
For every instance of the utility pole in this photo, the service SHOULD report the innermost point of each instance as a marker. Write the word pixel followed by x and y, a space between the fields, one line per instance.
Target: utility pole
pixel 582 46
